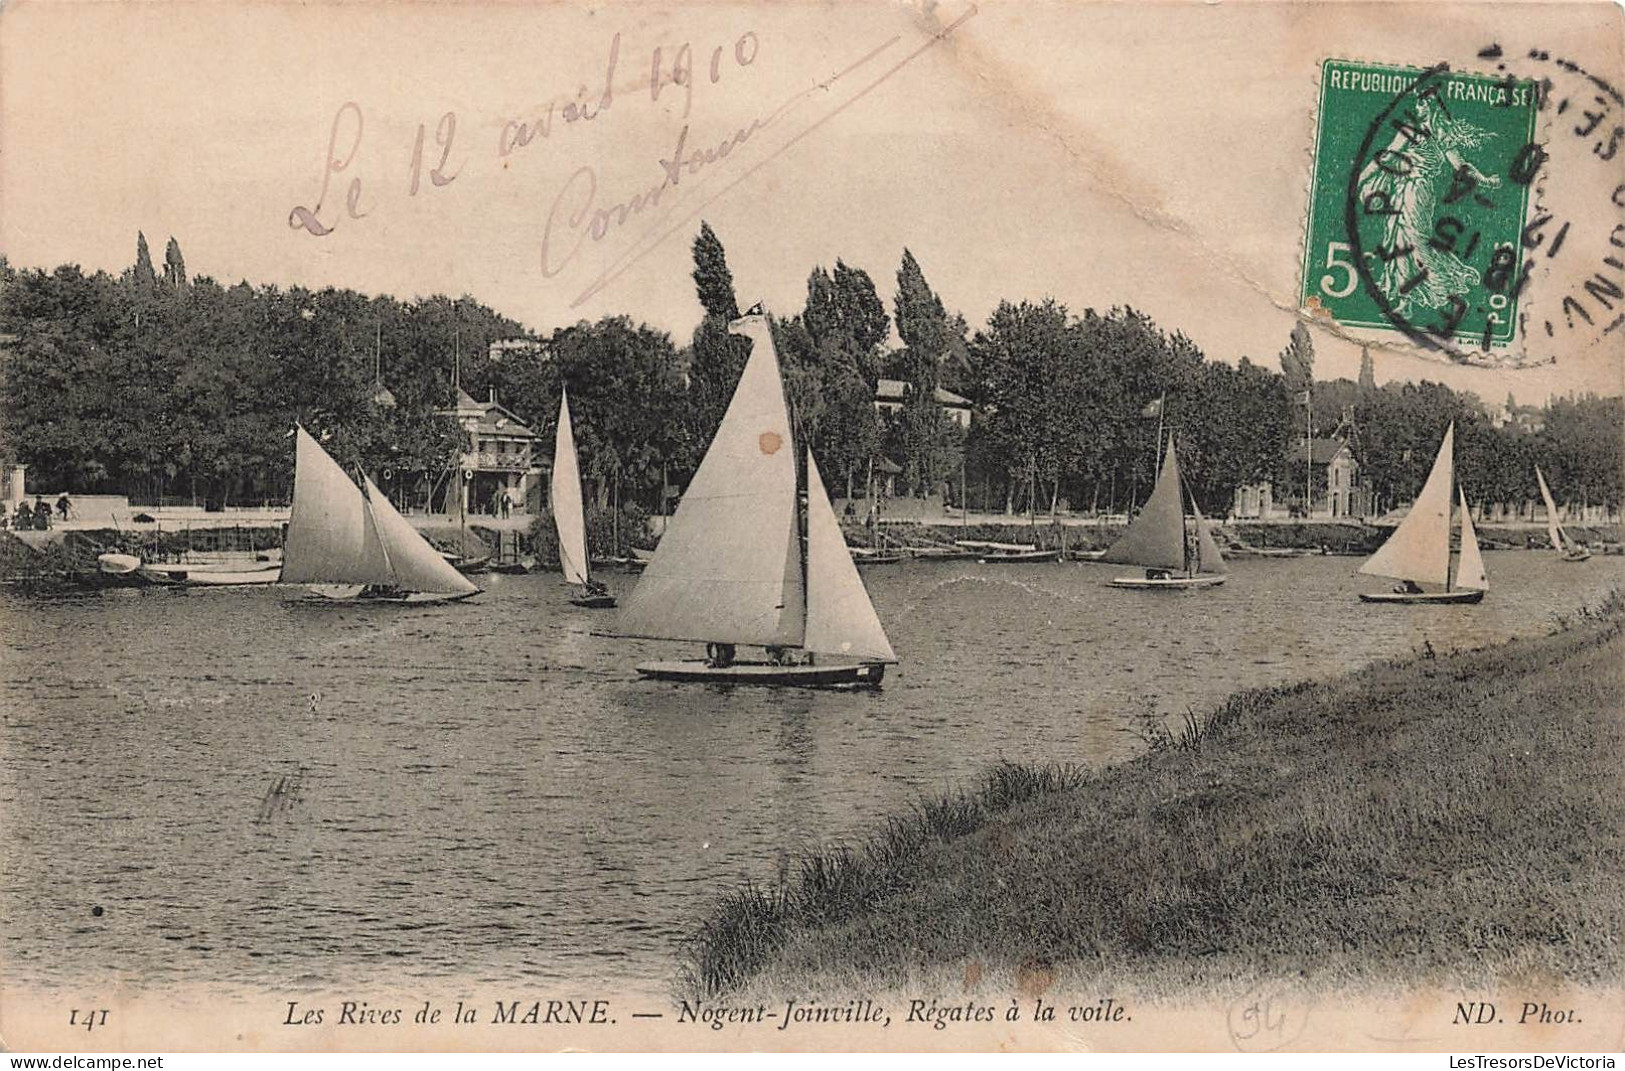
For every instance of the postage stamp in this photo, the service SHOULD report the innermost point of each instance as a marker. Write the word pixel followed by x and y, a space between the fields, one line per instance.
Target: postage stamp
pixel 1418 202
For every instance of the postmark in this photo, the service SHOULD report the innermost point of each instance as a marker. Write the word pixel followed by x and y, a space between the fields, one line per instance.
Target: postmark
pixel 1419 198
pixel 1574 241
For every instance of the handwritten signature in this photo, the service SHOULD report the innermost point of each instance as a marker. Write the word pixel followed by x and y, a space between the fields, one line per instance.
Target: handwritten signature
pixel 576 215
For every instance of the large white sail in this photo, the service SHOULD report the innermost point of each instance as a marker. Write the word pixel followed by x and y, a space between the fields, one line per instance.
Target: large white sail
pixel 1156 539
pixel 1470 566
pixel 1553 530
pixel 414 565
pixel 840 616
pixel 1419 549
pixel 330 537
pixel 565 499
pixel 728 568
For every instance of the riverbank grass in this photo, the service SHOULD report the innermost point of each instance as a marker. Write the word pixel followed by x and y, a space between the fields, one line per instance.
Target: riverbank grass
pixel 1454 818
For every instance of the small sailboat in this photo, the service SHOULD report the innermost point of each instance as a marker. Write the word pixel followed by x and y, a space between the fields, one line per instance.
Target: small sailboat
pixel 1568 548
pixel 1176 551
pixel 569 517
pixel 744 562
pixel 1418 553
pixel 348 543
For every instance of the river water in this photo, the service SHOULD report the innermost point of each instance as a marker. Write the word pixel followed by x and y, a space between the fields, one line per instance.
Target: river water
pixel 485 791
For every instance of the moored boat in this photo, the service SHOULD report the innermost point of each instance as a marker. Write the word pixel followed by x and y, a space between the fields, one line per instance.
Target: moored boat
pixel 754 556
pixel 1418 553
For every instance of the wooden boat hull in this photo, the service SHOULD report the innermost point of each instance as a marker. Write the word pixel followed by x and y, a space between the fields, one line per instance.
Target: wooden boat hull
pixel 212 576
pixel 941 554
pixel 865 675
pixel 876 559
pixel 1172 583
pixel 467 566
pixel 1577 556
pixel 594 602
pixel 1445 598
pixel 514 568
pixel 1020 556
pixel 360 595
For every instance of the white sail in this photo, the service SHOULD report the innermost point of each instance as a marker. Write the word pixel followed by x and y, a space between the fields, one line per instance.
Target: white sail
pixel 1553 529
pixel 565 498
pixel 1208 558
pixel 840 617
pixel 1470 567
pixel 330 538
pixel 1156 539
pixel 1419 549
pixel 414 565
pixel 728 568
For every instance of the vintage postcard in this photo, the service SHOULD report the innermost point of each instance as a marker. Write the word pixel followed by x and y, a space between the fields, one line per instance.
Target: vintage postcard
pixel 942 525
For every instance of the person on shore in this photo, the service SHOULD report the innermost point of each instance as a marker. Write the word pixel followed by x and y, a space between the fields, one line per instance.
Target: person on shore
pixel 507 505
pixel 719 655
pixel 63 506
pixel 42 514
pixel 25 516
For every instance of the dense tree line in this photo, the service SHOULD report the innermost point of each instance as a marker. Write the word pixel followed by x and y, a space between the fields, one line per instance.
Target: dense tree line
pixel 156 383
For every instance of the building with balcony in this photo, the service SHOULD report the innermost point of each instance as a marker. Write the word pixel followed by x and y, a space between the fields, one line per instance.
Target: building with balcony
pixel 500 458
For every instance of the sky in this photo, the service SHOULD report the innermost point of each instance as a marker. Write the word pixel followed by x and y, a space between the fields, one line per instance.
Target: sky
pixel 1148 155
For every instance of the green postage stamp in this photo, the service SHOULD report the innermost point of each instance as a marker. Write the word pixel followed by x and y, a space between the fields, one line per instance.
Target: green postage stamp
pixel 1417 205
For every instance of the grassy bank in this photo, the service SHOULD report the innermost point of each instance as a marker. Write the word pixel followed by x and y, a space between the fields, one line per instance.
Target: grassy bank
pixel 1445 819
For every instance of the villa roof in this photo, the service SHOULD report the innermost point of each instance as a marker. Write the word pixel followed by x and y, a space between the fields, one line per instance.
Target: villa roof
pixel 1321 451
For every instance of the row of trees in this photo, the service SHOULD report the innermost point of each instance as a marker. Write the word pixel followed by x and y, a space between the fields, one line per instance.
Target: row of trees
pixel 155 384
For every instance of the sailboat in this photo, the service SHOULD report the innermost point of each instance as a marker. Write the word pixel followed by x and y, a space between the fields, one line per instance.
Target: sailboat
pixel 1568 548
pixel 742 562
pixel 1418 552
pixel 568 516
pixel 1176 552
pixel 348 543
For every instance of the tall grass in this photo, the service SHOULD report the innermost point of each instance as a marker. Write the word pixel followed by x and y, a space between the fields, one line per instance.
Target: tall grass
pixel 1451 818
pixel 749 925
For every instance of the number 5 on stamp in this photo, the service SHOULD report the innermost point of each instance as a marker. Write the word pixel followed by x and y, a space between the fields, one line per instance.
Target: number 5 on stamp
pixel 1417 203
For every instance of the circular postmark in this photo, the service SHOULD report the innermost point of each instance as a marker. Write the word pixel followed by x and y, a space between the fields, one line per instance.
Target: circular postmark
pixel 1574 241
pixel 1434 209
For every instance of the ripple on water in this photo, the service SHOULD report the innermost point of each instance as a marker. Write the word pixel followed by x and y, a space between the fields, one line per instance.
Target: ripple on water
pixel 486 791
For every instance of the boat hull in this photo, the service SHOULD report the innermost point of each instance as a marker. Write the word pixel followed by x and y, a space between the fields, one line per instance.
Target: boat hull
pixel 1579 556
pixel 865 675
pixel 1446 598
pixel 357 595
pixel 211 577
pixel 1172 583
pixel 594 602
pixel 1020 556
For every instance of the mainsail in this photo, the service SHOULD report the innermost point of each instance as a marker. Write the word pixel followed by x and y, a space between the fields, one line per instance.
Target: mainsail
pixel 1553 529
pixel 414 565
pixel 341 534
pixel 728 568
pixel 840 618
pixel 1470 567
pixel 1419 549
pixel 1156 539
pixel 331 536
pixel 565 497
